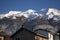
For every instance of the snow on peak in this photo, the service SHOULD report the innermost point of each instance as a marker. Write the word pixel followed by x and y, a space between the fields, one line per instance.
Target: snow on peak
pixel 53 12
pixel 43 9
pixel 11 13
pixel 28 14
pixel 30 11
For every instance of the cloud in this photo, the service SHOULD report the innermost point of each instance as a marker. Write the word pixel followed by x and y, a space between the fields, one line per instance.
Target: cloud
pixel 43 9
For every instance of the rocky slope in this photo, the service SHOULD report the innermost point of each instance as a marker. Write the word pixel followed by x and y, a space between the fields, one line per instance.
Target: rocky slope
pixel 10 26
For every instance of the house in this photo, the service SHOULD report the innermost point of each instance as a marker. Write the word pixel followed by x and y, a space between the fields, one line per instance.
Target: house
pixel 25 34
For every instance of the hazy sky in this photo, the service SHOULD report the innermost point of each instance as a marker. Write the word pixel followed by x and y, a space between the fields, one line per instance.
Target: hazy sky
pixel 23 5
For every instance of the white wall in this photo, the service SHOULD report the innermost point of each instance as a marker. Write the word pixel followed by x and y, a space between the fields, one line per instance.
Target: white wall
pixel 50 36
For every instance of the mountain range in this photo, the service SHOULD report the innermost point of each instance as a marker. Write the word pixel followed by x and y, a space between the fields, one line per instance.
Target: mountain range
pixel 13 20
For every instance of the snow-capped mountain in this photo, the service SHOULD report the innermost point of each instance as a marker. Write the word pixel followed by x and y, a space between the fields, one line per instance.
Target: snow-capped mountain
pixel 53 13
pixel 53 16
pixel 30 14
pixel 13 20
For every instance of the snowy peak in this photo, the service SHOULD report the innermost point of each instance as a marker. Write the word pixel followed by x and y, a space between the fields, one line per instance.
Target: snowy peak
pixel 32 14
pixel 28 14
pixel 11 13
pixel 30 11
pixel 14 14
pixel 53 13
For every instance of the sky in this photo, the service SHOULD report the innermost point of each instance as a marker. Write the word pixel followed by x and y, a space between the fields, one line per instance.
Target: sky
pixel 23 5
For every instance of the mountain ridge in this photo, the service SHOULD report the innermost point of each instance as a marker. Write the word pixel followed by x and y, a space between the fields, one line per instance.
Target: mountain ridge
pixel 14 20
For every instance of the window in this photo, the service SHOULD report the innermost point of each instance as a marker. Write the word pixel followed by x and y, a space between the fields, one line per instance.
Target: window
pixel 1 38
